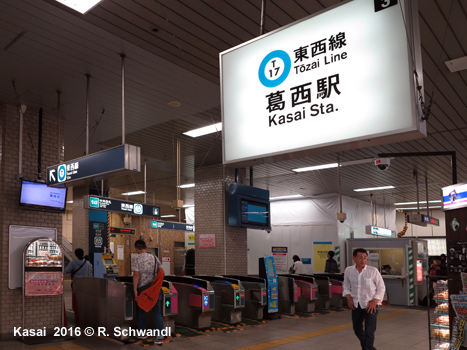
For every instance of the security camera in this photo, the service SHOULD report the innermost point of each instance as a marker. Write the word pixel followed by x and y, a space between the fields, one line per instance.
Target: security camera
pixel 382 163
pixel 341 217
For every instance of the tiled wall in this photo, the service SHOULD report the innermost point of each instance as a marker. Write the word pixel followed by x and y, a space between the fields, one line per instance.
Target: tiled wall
pixel 40 311
pixel 230 253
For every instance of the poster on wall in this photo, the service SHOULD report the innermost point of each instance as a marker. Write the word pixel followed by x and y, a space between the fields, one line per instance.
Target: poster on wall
pixel 280 259
pixel 120 252
pixel 320 255
pixel 207 240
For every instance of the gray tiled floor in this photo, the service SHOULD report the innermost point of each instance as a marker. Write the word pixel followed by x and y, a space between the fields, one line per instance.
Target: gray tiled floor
pixel 398 328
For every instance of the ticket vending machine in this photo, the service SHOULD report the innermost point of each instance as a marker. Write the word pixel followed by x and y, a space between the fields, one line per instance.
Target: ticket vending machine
pixel 105 266
pixel 267 271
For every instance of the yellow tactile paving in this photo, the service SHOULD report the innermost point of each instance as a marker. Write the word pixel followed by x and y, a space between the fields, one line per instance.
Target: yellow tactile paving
pixel 304 336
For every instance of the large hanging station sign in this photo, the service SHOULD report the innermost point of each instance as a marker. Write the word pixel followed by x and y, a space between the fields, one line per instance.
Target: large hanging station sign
pixel 344 78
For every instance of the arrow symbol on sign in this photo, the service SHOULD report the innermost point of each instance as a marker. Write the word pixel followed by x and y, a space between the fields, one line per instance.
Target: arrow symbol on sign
pixel 167 303
pixel 51 175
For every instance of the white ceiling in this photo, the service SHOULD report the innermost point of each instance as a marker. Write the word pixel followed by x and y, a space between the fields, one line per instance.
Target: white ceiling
pixel 172 54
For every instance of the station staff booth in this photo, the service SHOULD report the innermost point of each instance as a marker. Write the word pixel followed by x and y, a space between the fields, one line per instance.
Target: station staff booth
pixel 408 259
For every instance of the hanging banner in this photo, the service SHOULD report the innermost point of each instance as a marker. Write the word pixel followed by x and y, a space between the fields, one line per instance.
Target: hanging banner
pixel 320 250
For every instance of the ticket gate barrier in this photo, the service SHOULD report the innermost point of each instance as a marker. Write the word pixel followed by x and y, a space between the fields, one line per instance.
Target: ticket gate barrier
pixel 229 298
pixel 337 281
pixel 308 292
pixel 169 304
pixel 256 296
pixel 288 294
pixel 103 302
pixel 195 301
pixel 324 290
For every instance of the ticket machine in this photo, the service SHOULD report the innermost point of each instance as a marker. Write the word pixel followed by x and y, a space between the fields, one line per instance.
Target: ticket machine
pixel 308 292
pixel 105 266
pixel 267 271
pixel 229 298
pixel 195 301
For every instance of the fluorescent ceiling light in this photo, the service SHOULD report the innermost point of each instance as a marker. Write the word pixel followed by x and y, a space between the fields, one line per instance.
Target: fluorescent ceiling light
pixel 457 64
pixel 204 130
pixel 133 193
pixel 69 202
pixel 421 202
pixel 188 205
pixel 168 216
pixel 373 188
pixel 334 165
pixel 316 167
pixel 414 208
pixel 187 186
pixel 82 6
pixel 286 197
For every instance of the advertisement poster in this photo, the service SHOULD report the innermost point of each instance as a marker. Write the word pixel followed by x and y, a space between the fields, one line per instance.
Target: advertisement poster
pixel 207 240
pixel 43 283
pixel 280 259
pixel 120 252
pixel 320 255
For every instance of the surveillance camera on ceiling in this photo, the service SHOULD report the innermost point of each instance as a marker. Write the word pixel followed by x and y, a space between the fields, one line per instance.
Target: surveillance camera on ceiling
pixel 382 163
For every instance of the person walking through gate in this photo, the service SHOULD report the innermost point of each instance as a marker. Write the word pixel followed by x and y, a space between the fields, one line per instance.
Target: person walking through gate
pixel 364 289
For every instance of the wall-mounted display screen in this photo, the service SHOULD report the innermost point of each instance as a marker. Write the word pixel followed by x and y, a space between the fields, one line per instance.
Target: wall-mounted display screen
pixel 37 195
pixel 254 213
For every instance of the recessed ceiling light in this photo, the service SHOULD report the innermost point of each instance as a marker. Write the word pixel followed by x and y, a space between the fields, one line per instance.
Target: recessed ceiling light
pixel 373 188
pixel 133 193
pixel 82 6
pixel 286 197
pixel 457 64
pixel 204 130
pixel 174 104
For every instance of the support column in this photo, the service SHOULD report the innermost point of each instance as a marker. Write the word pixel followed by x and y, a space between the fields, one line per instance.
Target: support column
pixel 229 256
pixel 80 220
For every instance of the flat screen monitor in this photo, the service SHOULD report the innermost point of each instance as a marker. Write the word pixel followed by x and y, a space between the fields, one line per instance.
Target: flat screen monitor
pixel 109 261
pixel 39 196
pixel 254 213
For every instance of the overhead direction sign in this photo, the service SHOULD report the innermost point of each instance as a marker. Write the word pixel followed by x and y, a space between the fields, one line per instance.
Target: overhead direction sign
pixel 112 161
pixel 329 82
pixel 119 206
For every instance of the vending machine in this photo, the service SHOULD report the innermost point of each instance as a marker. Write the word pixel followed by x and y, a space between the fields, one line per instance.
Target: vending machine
pixel 267 270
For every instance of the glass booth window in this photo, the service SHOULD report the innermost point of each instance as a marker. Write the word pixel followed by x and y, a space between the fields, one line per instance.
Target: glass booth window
pixel 388 261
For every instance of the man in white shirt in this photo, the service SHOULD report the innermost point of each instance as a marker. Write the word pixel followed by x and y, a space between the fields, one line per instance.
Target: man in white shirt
pixel 364 289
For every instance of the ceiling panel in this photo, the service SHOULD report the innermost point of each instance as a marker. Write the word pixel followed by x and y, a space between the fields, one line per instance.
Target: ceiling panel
pixel 179 61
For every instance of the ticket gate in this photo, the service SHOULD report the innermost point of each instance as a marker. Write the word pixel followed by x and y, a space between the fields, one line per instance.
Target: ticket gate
pixel 288 294
pixel 324 291
pixel 196 301
pixel 308 292
pixel 256 296
pixel 267 270
pixel 229 298
pixel 169 304
pixel 337 281
pixel 103 302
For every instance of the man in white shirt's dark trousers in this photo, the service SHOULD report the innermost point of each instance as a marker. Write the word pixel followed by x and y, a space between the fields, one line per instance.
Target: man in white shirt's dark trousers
pixel 364 289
